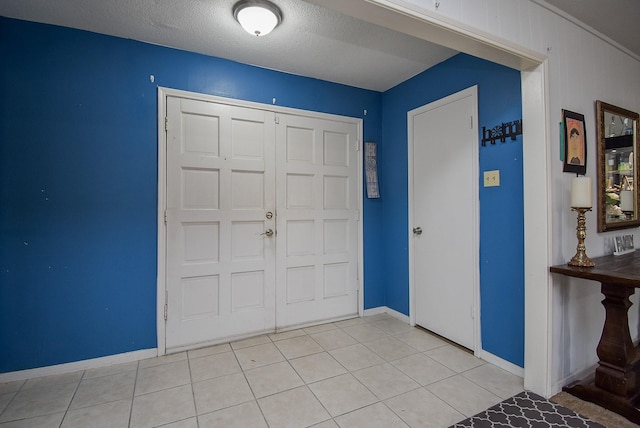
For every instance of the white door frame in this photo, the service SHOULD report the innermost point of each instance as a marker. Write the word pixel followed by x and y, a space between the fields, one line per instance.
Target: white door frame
pixel 431 25
pixel 475 238
pixel 163 93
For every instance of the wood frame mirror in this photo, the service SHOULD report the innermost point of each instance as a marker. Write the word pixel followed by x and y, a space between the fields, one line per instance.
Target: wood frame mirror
pixel 617 149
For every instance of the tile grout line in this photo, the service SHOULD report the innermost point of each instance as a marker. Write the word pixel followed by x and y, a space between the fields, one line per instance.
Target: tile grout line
pixel 133 394
pixel 306 385
pixel 420 386
pixel 480 386
pixel 351 373
pixel 390 332
pixel 255 399
pixel 15 394
pixel 66 412
pixel 193 393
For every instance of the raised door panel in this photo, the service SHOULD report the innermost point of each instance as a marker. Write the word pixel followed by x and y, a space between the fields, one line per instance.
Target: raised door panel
pixel 220 184
pixel 317 220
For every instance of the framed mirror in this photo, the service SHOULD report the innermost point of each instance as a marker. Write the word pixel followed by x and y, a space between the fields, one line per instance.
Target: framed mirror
pixel 617 184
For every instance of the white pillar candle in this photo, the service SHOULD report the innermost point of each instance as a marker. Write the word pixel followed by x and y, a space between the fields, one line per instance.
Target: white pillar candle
pixel 581 192
pixel 626 200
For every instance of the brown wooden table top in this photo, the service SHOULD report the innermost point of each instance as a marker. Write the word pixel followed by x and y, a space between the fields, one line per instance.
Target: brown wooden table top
pixel 620 270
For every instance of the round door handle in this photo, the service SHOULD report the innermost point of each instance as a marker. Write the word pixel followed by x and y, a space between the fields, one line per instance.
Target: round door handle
pixel 417 230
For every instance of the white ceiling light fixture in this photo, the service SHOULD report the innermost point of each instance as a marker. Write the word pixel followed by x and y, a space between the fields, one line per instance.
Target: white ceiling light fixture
pixel 257 17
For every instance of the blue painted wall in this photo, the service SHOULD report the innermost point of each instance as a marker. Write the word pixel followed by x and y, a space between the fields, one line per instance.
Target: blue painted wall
pixel 78 183
pixel 501 208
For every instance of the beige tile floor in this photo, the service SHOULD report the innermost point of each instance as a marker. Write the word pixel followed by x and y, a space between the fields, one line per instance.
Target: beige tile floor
pixel 364 372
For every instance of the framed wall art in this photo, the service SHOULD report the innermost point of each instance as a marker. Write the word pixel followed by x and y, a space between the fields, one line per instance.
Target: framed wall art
pixel 575 143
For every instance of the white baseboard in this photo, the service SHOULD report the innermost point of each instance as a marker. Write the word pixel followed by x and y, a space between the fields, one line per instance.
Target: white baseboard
pixel 375 311
pixel 556 387
pixel 385 310
pixel 93 363
pixel 150 353
pixel 499 362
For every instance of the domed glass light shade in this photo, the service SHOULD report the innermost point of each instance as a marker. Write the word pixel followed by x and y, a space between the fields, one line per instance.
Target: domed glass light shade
pixel 257 17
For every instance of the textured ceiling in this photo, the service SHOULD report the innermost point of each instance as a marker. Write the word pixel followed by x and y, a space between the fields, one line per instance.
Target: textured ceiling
pixel 311 41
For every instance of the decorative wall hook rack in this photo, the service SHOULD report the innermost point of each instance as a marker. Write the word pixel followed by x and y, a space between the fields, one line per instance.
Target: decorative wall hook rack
pixel 502 132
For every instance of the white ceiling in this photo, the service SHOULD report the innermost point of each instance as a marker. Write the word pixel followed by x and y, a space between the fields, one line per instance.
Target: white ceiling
pixel 311 41
pixel 617 19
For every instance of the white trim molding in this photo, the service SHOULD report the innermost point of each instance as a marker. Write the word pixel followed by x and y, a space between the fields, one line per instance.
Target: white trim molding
pixel 386 310
pixel 75 366
pixel 499 362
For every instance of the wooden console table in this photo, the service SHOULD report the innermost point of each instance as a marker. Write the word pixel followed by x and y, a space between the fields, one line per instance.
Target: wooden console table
pixel 615 385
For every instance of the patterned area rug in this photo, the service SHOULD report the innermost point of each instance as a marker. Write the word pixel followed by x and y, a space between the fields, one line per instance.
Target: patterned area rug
pixel 527 410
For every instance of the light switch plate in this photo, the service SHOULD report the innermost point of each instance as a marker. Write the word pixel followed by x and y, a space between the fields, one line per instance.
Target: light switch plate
pixel 492 178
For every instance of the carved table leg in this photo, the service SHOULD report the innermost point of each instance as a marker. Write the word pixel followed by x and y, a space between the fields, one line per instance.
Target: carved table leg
pixel 616 385
pixel 618 357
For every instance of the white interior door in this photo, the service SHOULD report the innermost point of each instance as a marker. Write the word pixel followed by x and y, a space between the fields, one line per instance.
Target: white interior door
pixel 220 264
pixel 443 141
pixel 317 253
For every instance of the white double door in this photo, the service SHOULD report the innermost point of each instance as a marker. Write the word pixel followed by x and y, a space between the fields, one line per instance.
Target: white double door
pixel 261 220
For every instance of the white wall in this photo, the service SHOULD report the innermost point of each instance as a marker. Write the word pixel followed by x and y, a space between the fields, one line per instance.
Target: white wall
pixel 582 67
